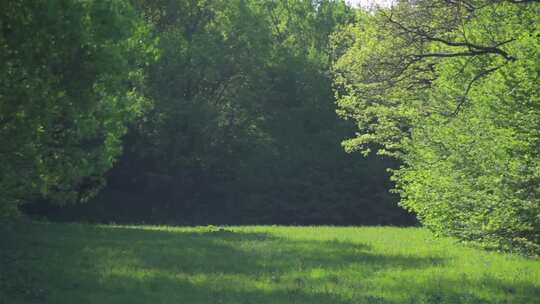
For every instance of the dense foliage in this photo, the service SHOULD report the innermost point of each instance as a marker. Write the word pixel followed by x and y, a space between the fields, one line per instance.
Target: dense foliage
pixel 70 80
pixel 222 111
pixel 207 112
pixel 452 89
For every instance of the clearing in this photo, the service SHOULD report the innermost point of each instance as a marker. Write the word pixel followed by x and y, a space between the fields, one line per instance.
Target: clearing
pixel 76 263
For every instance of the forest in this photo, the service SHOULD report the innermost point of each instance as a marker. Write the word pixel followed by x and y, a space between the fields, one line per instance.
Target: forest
pixel 190 112
pixel 224 112
pixel 228 113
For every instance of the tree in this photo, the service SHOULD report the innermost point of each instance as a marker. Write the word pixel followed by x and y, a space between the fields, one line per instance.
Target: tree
pixel 71 80
pixel 451 89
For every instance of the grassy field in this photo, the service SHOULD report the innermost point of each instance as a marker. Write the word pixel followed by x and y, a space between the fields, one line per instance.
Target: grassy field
pixel 71 263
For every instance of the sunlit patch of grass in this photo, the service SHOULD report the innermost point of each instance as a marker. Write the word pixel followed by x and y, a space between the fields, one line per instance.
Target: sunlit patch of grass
pixel 72 263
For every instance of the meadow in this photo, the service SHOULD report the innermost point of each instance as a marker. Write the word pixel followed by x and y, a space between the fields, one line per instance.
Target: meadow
pixel 77 263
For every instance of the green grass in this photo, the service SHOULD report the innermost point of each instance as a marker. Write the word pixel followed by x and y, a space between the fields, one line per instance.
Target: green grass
pixel 71 263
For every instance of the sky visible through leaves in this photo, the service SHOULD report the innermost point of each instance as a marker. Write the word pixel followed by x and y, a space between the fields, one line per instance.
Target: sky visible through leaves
pixel 368 3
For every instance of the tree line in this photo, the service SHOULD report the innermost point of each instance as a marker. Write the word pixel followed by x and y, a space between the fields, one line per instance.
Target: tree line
pixel 223 111
pixel 182 111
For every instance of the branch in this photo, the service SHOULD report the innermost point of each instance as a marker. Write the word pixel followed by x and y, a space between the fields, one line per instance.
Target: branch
pixel 475 49
pixel 459 54
pixel 469 87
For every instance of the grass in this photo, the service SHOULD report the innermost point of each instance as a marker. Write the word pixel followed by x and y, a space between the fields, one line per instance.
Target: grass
pixel 74 263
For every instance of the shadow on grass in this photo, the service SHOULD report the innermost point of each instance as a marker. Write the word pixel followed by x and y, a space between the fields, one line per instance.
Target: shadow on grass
pixel 49 263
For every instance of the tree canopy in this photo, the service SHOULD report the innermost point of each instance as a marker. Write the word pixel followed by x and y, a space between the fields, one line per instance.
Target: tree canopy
pixel 71 80
pixel 451 88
